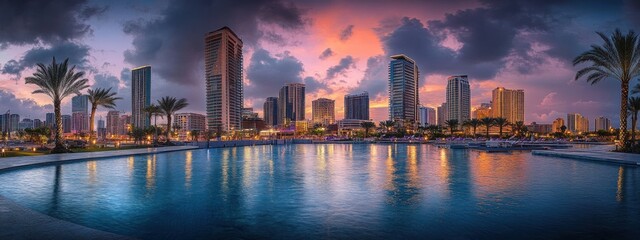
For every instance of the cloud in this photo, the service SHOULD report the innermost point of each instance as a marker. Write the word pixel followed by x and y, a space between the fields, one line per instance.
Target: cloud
pixel 106 81
pixel 78 55
pixel 549 100
pixel 345 64
pixel 314 85
pixel 326 54
pixel 267 73
pixel 24 107
pixel 346 33
pixel 375 78
pixel 175 40
pixel 34 21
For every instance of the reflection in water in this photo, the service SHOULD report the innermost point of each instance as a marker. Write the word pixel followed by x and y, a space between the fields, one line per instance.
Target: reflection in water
pixel 187 168
pixel 151 172
pixel 620 192
pixel 92 168
pixel 130 165
pixel 55 198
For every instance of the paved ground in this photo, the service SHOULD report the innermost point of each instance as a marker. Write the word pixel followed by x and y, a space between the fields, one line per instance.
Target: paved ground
pixel 17 222
pixel 596 153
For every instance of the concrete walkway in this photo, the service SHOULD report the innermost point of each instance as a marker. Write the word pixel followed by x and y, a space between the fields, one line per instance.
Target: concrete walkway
pixel 597 154
pixel 17 222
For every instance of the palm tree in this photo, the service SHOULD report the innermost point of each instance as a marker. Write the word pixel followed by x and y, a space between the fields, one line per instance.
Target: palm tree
pixel 367 126
pixel 636 89
pixel 618 58
pixel 474 123
pixel 452 124
pixel 58 82
pixel 169 106
pixel 155 111
pixel 100 97
pixel 388 124
pixel 518 127
pixel 487 122
pixel 634 108
pixel 501 123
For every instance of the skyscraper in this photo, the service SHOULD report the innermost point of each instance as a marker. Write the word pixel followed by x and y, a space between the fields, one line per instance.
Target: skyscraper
pixel 113 121
pixel 458 98
pixel 323 111
pixel 223 73
pixel 291 103
pixel 557 125
pixel 66 123
pixel 80 114
pixel 188 122
pixel 140 96
pixel 427 116
pixel 403 89
pixel 602 123
pixel 50 120
pixel 356 106
pixel 508 103
pixel 576 123
pixel 441 113
pixel 270 111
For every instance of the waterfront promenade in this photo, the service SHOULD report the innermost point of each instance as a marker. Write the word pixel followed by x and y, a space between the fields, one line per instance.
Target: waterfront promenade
pixel 595 153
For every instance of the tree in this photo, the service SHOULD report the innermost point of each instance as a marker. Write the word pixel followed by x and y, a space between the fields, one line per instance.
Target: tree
pixel 618 58
pixel 58 82
pixel 636 89
pixel 194 135
pixel 99 97
pixel 388 125
pixel 487 122
pixel 518 127
pixel 155 111
pixel 634 108
pixel 367 126
pixel 563 129
pixel 501 123
pixel 452 124
pixel 474 123
pixel 169 106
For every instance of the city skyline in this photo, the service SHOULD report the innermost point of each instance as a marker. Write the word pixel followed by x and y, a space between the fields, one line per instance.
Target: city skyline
pixel 332 57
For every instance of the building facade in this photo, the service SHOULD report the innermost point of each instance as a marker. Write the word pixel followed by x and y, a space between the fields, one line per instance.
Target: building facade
pixel 323 111
pixel 223 73
pixel 577 123
pixel 557 125
pixel 602 123
pixel 427 116
pixel 441 113
pixel 356 106
pixel 80 114
pixel 291 103
pixel 270 111
pixel 187 122
pixel 508 103
pixel 124 125
pixel 66 124
pixel 50 120
pixel 483 111
pixel 403 89
pixel 113 122
pixel 458 98
pixel 140 96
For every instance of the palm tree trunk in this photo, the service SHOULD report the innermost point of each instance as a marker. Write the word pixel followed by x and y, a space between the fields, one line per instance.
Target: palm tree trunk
pixel 59 148
pixel 634 122
pixel 155 129
pixel 624 98
pixel 91 120
pixel 168 127
pixel 488 131
pixel 500 131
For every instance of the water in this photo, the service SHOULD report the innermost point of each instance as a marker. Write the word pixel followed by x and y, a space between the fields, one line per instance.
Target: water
pixel 337 191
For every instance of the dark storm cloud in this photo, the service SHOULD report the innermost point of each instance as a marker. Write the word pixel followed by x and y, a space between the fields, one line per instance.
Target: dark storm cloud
pixel 32 21
pixel 375 77
pixel 106 81
pixel 345 64
pixel 313 85
pixel 346 33
pixel 326 53
pixel 78 55
pixel 269 73
pixel 175 40
pixel 24 107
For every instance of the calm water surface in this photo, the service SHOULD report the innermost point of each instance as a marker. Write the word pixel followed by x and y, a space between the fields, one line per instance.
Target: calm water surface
pixel 337 191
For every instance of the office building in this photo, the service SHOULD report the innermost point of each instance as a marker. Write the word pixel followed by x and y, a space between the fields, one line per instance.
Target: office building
pixel 483 111
pixel 124 125
pixel 291 103
pixel 223 73
pixel 508 103
pixel 577 123
pixel 14 121
pixel 80 114
pixel 187 122
pixel 427 116
pixel 356 106
pixel 66 124
pixel 323 111
pixel 25 123
pixel 441 113
pixel 248 113
pixel 113 122
pixel 270 111
pixel 458 98
pixel 403 89
pixel 50 120
pixel 602 123
pixel 37 123
pixel 102 130
pixel 557 125
pixel 540 128
pixel 140 96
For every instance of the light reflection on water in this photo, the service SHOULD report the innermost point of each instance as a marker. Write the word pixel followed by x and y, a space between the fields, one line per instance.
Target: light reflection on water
pixel 337 191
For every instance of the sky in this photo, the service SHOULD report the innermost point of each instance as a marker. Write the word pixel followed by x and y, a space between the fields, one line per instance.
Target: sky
pixel 334 47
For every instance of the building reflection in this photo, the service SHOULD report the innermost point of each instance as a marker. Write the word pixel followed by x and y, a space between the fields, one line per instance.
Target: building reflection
pixel 92 169
pixel 402 178
pixel 498 173
pixel 187 168
pixel 151 172
pixel 620 185
pixel 55 197
pixel 130 165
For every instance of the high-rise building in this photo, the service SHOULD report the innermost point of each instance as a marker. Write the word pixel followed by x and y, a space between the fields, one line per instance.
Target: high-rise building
pixel 25 123
pixel 576 123
pixel 66 123
pixel 602 123
pixel 540 128
pixel 140 96
pixel 102 130
pixel 508 103
pixel 441 113
pixel 356 106
pixel 14 122
pixel 458 98
pixel 80 113
pixel 50 120
pixel 187 122
pixel 427 116
pixel 483 111
pixel 403 89
pixel 248 113
pixel 270 111
pixel 557 125
pixel 37 123
pixel 323 111
pixel 124 125
pixel 291 103
pixel 223 73
pixel 4 122
pixel 113 122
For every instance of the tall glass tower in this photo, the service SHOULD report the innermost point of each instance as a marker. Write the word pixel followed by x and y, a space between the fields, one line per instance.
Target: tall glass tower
pixel 140 96
pixel 458 98
pixel 403 89
pixel 223 73
pixel 356 106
